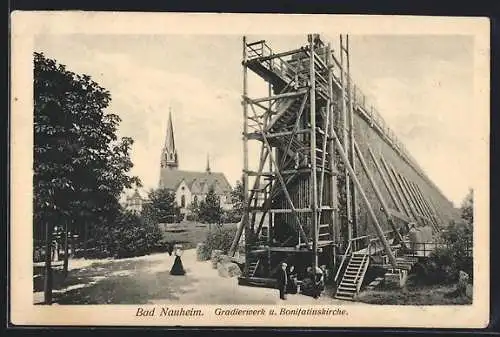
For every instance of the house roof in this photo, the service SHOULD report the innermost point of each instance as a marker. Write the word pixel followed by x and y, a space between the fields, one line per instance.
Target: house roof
pixel 197 182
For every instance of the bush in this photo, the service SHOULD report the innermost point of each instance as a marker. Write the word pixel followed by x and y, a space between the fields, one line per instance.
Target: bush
pixel 231 216
pixel 219 238
pixel 444 263
pixel 131 236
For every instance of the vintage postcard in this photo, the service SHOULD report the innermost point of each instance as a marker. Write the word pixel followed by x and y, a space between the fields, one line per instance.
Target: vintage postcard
pixel 249 170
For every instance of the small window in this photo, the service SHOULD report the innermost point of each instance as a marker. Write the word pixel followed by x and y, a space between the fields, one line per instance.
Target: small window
pixel 183 201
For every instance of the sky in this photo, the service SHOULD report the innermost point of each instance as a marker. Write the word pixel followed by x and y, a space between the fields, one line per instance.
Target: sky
pixel 422 86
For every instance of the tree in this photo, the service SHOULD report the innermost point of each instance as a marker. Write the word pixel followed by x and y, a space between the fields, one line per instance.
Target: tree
pixel 238 199
pixel 80 165
pixel 162 207
pixel 210 209
pixel 467 208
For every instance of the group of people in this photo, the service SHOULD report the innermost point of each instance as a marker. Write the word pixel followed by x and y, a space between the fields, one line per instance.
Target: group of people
pixel 312 285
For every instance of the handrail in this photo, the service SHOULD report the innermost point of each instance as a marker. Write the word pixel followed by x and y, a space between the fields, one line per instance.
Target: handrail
pixel 343 261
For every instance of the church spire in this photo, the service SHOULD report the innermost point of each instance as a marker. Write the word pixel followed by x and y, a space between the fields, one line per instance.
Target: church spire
pixel 169 153
pixel 208 163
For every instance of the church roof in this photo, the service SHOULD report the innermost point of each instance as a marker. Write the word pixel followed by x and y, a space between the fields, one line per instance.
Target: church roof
pixel 169 139
pixel 197 182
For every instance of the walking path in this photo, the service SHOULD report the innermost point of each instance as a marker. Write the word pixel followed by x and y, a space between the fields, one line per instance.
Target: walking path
pixel 147 279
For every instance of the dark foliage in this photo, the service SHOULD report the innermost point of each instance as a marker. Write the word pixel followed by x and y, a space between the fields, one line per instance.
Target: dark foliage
pixel 80 165
pixel 210 210
pixel 162 207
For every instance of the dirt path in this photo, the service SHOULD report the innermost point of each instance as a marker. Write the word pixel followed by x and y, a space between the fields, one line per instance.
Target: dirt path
pixel 147 279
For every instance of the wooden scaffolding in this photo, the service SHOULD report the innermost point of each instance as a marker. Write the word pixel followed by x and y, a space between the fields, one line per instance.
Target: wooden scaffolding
pixel 304 129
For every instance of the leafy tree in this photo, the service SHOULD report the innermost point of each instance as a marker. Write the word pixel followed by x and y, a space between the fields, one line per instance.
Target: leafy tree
pixel 162 207
pixel 467 208
pixel 237 199
pixel 194 211
pixel 210 209
pixel 80 165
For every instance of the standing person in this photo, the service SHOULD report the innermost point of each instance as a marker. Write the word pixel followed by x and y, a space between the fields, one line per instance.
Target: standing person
pixel 177 268
pixel 292 281
pixel 282 281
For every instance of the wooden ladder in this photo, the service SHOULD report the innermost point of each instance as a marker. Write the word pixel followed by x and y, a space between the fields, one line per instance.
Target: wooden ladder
pixel 252 268
pixel 353 277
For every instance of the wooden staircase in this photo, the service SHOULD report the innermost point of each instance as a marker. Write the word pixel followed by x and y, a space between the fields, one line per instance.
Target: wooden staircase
pixel 353 277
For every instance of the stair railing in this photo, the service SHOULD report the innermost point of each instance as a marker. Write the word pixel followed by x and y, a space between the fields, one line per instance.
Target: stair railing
pixel 348 249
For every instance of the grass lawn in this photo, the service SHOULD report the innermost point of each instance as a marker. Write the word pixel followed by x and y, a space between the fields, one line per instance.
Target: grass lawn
pixel 415 295
pixel 189 233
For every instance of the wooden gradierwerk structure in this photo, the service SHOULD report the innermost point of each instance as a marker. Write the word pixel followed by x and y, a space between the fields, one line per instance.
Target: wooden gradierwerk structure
pixel 332 185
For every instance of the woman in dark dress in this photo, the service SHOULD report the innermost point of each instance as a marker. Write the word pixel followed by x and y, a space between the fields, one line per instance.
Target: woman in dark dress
pixel 177 268
pixel 292 281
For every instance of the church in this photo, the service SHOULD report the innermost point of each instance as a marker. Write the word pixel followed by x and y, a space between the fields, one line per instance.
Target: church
pixel 189 186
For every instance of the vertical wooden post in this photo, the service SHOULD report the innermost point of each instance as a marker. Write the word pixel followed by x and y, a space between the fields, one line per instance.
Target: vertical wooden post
pixel 244 222
pixel 354 206
pixel 343 115
pixel 314 185
pixel 47 287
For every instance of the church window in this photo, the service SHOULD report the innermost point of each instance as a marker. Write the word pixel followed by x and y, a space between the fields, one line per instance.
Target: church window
pixel 183 201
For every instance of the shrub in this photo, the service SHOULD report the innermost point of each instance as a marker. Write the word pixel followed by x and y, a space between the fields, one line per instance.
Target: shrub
pixel 231 216
pixel 444 263
pixel 131 236
pixel 219 238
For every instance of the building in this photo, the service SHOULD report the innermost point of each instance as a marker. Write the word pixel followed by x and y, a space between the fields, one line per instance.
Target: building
pixel 134 202
pixel 190 186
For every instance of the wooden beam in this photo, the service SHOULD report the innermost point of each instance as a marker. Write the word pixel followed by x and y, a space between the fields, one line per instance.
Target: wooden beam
pixel 333 182
pixel 399 215
pixel 379 195
pixel 343 114
pixel 244 220
pixel 283 185
pixel 277 97
pixel 379 230
pixel 405 193
pixel 354 203
pixel 314 176
pixel 385 181
pixel 396 187
pixel 422 206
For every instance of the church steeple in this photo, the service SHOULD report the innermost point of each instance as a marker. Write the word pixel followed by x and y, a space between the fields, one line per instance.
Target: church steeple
pixel 169 153
pixel 208 163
